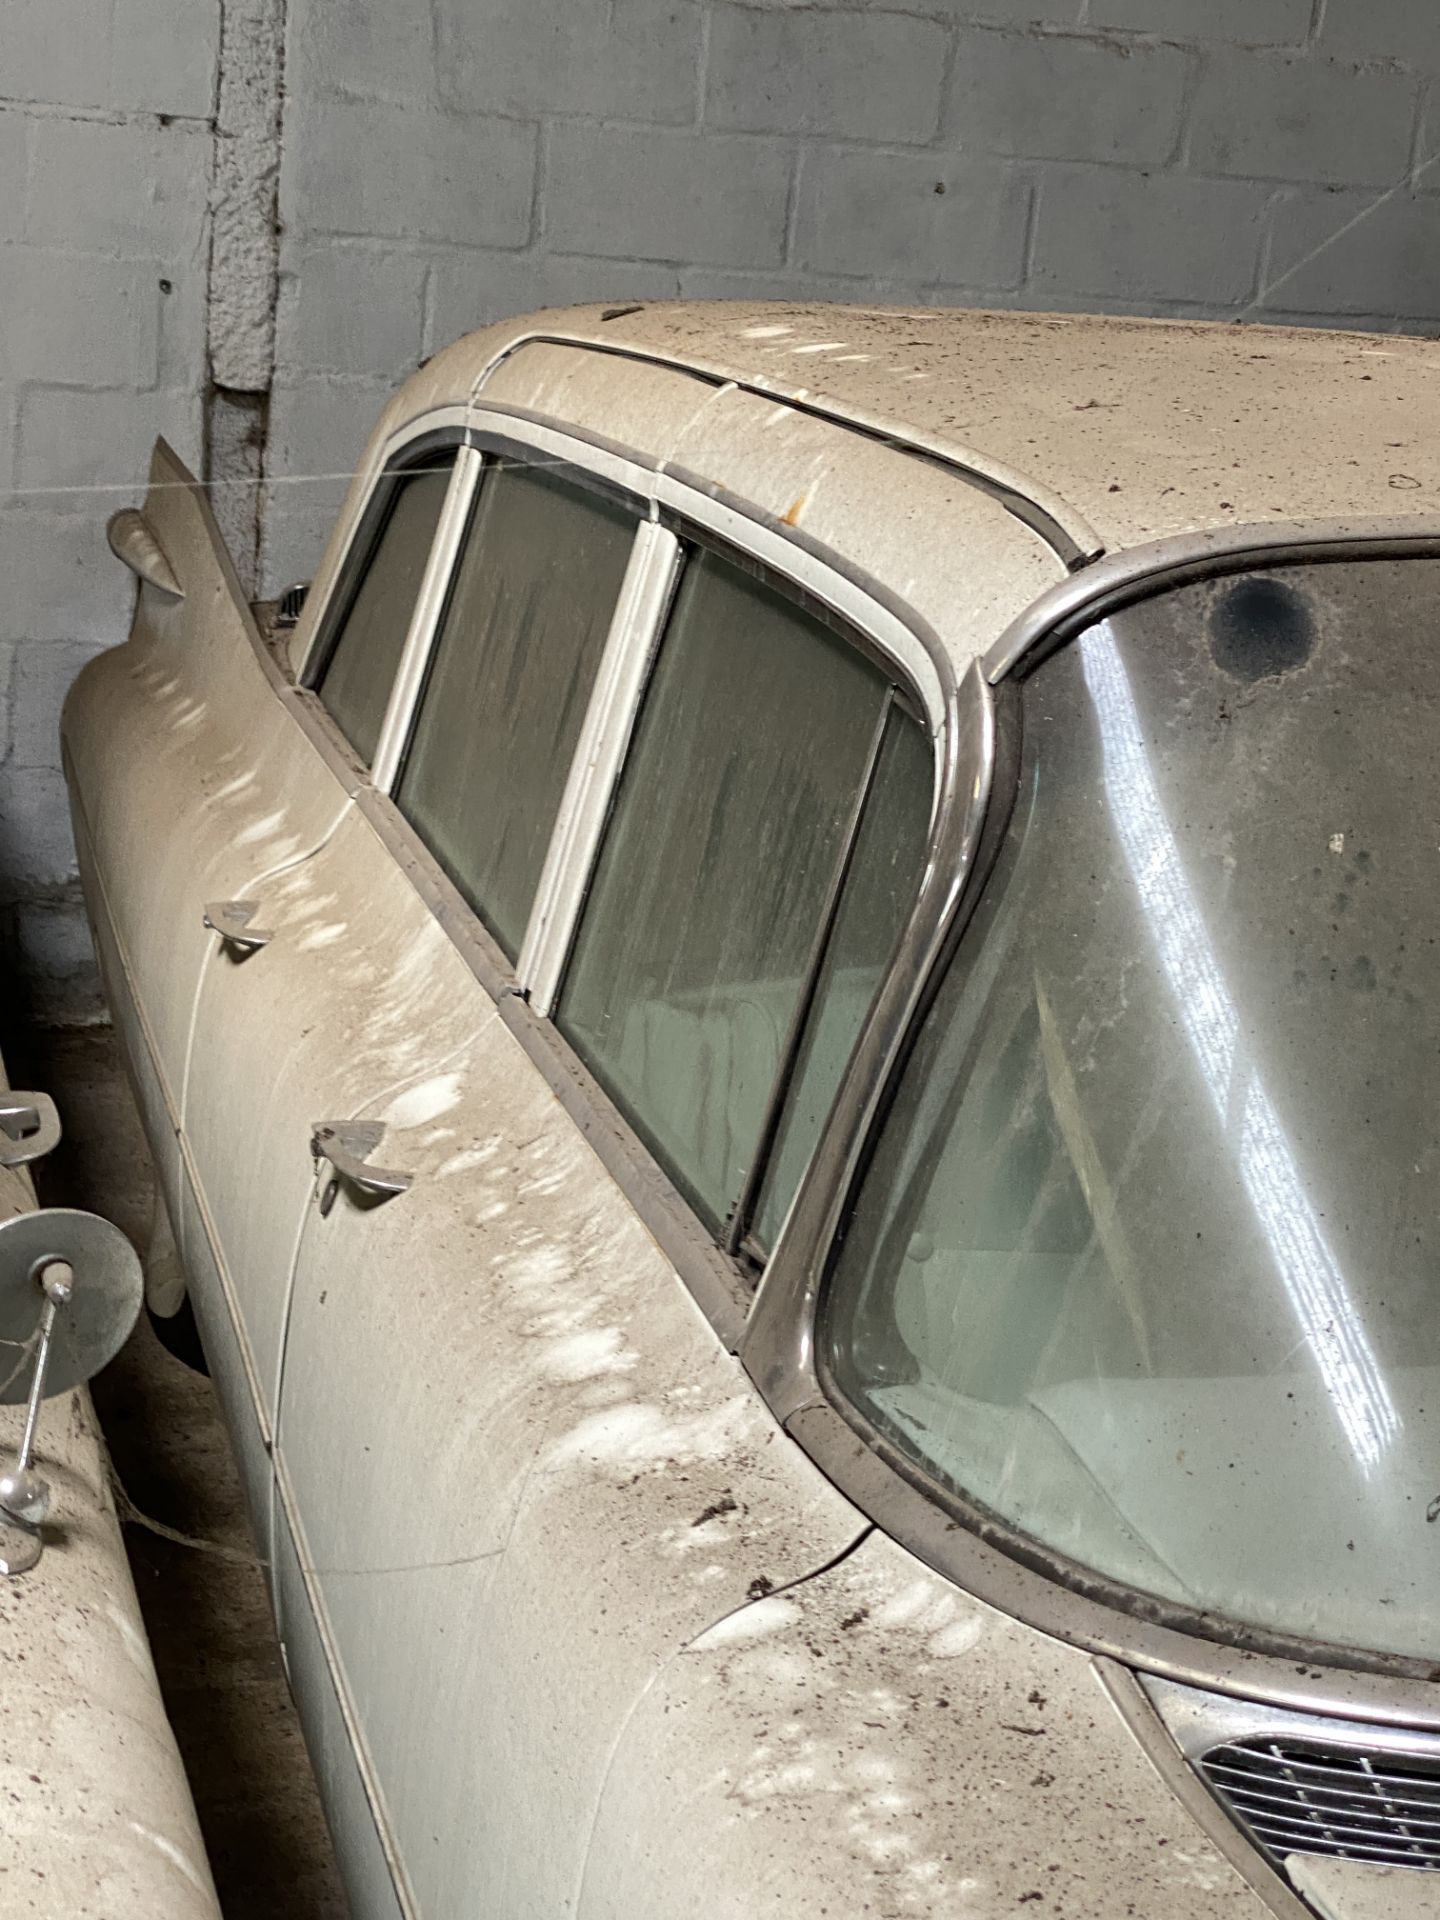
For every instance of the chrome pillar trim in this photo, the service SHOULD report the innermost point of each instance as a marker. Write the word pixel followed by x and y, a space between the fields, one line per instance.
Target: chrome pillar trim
pixel 778 1349
pixel 1132 1699
pixel 600 750
pixel 1063 529
pixel 425 619
pixel 1119 578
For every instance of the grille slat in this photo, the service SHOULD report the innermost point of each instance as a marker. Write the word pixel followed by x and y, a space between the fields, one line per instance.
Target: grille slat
pixel 1242 1785
pixel 1295 1796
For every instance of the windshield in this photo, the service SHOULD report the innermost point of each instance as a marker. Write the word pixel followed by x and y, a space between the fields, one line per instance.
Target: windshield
pixel 1145 1258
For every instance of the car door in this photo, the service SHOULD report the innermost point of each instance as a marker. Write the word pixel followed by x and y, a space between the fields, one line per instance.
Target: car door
pixel 518 1468
pixel 181 723
pixel 332 1007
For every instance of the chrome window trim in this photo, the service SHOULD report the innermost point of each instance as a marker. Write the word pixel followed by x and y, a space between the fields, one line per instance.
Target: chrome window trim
pixel 721 1285
pixel 430 604
pixel 1063 529
pixel 778 1348
pixel 604 740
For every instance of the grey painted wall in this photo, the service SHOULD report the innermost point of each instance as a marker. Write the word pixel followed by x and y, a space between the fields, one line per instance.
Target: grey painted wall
pixel 440 166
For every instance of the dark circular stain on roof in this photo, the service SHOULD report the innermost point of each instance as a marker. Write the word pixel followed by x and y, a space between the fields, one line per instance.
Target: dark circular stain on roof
pixel 1260 628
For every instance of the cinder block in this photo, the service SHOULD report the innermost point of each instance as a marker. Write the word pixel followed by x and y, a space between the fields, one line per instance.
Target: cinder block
pixel 12 175
pixel 184 320
pixel 77 318
pixel 133 188
pixel 51 937
pixel 57 52
pixel 351 308
pixel 938 218
pixel 1278 117
pixel 67 438
pixel 164 56
pixel 43 672
pixel 318 432
pixel 1056 98
pixel 1154 236
pixel 375 170
pixel 1385 263
pixel 636 194
pixel 1383 30
pixel 470 290
pixel 1246 23
pixel 627 59
pixel 61 580
pixel 869 76
pixel 36 847
pixel 360 53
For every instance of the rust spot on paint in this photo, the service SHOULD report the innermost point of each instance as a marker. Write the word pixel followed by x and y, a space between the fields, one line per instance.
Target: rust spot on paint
pixel 794 511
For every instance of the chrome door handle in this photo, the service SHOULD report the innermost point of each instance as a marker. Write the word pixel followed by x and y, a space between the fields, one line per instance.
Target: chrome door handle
pixel 345 1144
pixel 132 539
pixel 29 1127
pixel 231 920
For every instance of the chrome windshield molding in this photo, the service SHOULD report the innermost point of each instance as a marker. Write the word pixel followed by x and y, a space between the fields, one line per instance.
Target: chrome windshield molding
pixel 1064 530
pixel 903 639
pixel 1132 1698
pixel 1107 584
pixel 778 1349
pixel 498 415
pixel 1073 1604
pixel 425 619
pixel 640 613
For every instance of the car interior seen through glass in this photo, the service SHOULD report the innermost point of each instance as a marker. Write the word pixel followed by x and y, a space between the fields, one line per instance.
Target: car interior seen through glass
pixel 701 935
pixel 360 667
pixel 508 684
pixel 1144 1261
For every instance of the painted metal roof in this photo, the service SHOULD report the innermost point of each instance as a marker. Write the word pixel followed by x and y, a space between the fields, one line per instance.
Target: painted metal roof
pixel 1140 428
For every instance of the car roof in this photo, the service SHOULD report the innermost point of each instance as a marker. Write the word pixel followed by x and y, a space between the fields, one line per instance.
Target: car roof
pixel 1139 428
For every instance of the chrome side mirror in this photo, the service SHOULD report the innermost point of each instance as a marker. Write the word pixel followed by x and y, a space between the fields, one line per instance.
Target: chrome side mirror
pixel 70 1293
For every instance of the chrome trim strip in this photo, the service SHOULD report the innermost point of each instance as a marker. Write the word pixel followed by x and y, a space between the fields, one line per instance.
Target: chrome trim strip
pixel 425 617
pixel 640 613
pixel 1131 1699
pixel 1064 530
pixel 778 1348
pixel 1118 578
pixel 1197 1720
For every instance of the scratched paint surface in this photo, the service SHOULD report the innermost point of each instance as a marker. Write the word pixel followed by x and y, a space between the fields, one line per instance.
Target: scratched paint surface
pixel 877 1741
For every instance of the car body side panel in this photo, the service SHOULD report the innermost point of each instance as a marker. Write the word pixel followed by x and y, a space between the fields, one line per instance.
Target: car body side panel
pixel 364 1869
pixel 877 1741
pixel 180 727
pixel 348 999
pixel 526 1472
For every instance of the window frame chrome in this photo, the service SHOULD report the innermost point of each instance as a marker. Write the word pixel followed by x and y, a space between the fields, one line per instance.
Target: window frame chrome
pixel 675 506
pixel 977 1552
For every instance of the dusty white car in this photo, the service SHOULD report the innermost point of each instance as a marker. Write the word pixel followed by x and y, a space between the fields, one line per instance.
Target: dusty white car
pixel 791 1042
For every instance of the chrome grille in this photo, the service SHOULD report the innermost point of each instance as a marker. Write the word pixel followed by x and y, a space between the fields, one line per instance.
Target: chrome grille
pixel 1360 1804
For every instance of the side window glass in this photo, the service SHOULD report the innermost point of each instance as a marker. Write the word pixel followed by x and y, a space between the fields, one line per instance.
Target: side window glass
pixel 508 685
pixel 359 670
pixel 881 882
pixel 699 938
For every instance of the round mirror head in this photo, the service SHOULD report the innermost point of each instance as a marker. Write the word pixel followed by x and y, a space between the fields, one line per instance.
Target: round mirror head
pixel 92 1324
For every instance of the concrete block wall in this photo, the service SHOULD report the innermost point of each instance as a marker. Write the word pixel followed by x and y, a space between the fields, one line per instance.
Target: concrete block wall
pixel 105 149
pixel 442 165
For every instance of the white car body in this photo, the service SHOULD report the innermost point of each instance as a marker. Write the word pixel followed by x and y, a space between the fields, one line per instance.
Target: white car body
pixel 584 1600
